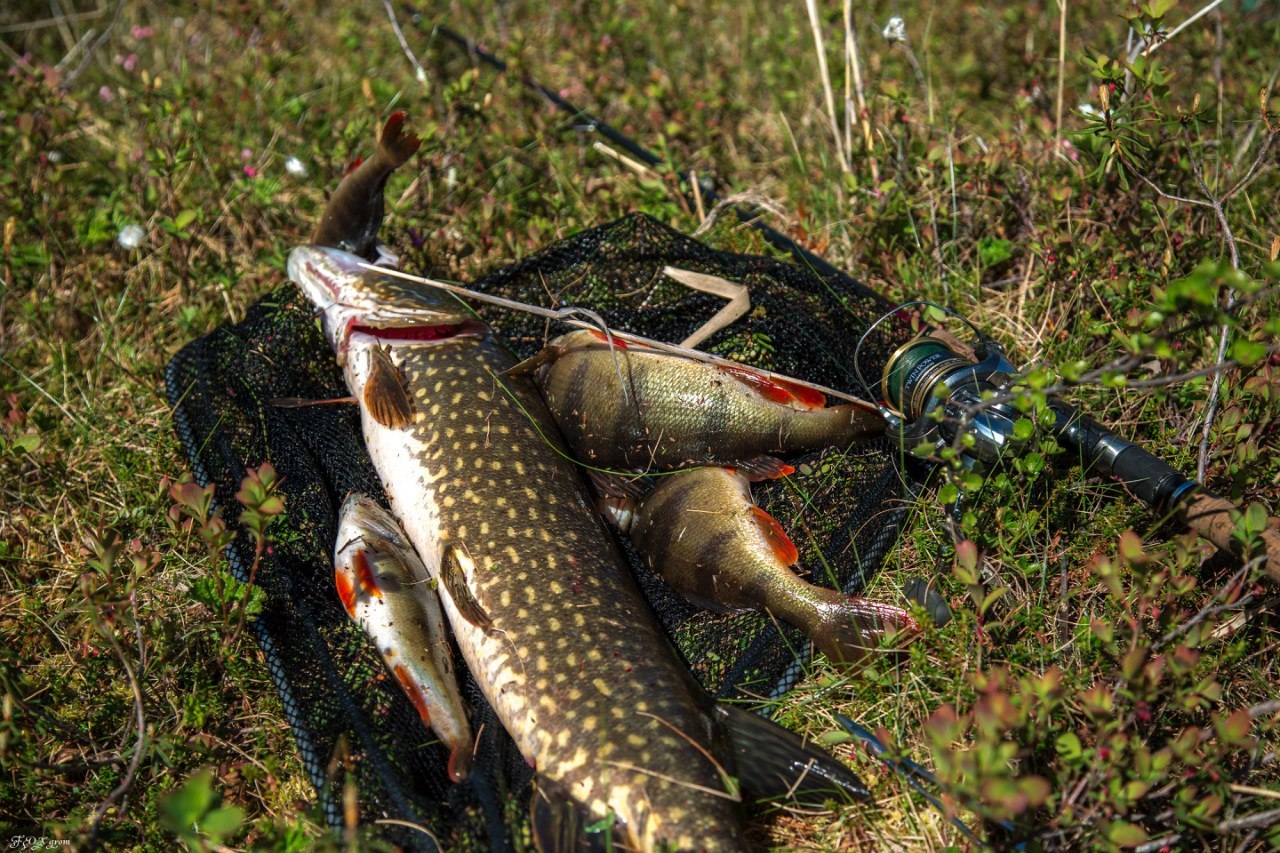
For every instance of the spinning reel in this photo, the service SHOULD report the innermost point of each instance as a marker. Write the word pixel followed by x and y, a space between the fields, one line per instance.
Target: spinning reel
pixel 932 394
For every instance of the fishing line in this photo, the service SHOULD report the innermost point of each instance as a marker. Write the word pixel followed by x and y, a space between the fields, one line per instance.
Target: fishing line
pixel 566 315
pixel 560 314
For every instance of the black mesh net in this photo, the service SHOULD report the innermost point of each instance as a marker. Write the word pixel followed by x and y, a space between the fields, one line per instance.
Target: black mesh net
pixel 352 724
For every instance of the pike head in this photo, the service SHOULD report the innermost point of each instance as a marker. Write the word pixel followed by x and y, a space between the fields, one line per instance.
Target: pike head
pixel 353 301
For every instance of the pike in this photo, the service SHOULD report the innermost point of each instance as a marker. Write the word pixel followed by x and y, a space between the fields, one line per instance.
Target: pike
pixel 385 588
pixel 700 532
pixel 541 602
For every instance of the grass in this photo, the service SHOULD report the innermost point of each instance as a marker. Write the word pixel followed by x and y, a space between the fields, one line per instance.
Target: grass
pixel 1074 703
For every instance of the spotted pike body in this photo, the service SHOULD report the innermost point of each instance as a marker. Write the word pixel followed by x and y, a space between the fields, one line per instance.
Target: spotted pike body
pixel 542 605
pixel 702 533
pixel 632 407
pixel 387 590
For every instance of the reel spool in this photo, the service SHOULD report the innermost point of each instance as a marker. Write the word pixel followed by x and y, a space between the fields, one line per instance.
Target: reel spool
pixel 932 394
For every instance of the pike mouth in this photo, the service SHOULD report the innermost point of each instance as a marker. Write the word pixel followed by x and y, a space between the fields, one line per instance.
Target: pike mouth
pixel 421 333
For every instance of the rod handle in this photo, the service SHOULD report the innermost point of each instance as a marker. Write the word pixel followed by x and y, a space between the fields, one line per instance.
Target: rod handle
pixel 1210 516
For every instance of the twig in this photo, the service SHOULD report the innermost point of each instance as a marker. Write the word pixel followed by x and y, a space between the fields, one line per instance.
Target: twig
pixel 258 550
pixel 140 721
pixel 50 22
pixel 1170 196
pixel 1225 335
pixel 1253 821
pixel 812 7
pixel 1062 62
pixel 1159 844
pixel 1154 45
pixel 1210 609
pixel 95 47
pixel 1253 168
pixel 418 70
pixel 854 71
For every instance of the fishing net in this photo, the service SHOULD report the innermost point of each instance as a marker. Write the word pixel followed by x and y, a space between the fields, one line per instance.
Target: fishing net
pixel 352 724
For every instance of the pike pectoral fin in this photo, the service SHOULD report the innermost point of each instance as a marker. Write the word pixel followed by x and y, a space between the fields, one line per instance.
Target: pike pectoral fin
pixel 543 356
pixel 453 576
pixel 384 393
pixel 558 825
pixel 773 763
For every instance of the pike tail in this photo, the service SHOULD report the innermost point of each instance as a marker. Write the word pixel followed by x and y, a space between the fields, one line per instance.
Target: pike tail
pixel 775 764
pixel 351 218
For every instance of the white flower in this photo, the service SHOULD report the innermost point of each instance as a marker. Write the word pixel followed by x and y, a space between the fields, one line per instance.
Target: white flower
pixel 895 30
pixel 295 167
pixel 1089 110
pixel 131 236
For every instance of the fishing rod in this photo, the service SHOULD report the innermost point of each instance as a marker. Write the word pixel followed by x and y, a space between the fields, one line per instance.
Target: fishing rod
pixel 932 392
pixel 704 186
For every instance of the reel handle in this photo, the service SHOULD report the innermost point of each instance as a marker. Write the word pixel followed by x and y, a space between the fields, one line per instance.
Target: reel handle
pixel 1158 484
pixel 1210 516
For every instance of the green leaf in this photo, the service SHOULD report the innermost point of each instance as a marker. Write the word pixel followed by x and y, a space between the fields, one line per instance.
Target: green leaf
pixel 1069 746
pixel 994 250
pixel 1235 729
pixel 834 738
pixel 1126 834
pixel 185 218
pixel 220 823
pixel 1032 463
pixel 181 809
pixel 1131 548
pixel 992 598
pixel 1247 352
pixel 967 555
pixel 1023 429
